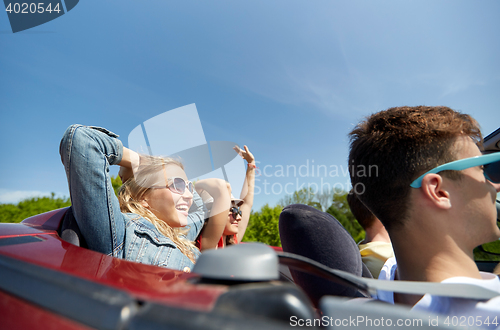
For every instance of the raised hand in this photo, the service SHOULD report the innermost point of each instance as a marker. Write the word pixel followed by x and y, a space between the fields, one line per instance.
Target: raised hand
pixel 245 154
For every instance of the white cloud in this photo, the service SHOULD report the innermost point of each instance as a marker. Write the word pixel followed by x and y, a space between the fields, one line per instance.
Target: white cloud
pixel 15 196
pixel 459 85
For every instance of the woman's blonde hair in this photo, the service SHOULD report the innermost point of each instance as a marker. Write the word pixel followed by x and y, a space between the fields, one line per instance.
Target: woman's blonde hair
pixel 149 175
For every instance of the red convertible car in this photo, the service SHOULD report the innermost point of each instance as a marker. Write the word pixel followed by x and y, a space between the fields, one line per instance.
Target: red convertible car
pixel 48 282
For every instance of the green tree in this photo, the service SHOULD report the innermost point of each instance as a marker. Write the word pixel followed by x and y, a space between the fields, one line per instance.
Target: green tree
pixel 30 207
pixel 263 226
pixel 117 183
pixel 325 198
pixel 37 205
pixel 488 252
pixel 341 211
pixel 302 196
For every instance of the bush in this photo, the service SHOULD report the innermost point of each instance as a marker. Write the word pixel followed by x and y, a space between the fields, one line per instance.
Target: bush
pixel 263 226
pixel 30 207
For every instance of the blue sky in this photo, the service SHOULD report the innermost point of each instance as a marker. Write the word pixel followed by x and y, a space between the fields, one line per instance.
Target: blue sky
pixel 288 78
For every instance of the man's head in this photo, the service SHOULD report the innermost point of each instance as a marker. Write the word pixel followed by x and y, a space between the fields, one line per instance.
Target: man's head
pixel 391 148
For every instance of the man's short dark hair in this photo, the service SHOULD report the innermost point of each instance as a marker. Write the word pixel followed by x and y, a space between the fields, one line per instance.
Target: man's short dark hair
pixel 362 214
pixel 401 144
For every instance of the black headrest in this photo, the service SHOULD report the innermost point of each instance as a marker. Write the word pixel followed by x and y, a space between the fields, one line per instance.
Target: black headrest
pixel 311 233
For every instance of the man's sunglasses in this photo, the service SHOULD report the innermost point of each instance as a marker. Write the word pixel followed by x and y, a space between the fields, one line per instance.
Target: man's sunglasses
pixel 491 164
pixel 178 185
pixel 235 211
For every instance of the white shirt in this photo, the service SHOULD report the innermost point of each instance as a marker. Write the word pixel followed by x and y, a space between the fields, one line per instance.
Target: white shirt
pixel 480 313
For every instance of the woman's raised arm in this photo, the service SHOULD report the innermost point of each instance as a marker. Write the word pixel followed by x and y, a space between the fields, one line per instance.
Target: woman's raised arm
pixel 221 193
pixel 87 153
pixel 247 192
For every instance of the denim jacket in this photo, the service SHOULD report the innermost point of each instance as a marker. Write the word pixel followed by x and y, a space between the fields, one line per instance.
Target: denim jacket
pixel 87 153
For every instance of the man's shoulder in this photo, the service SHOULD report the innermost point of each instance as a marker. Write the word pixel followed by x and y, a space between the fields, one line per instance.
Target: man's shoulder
pixel 459 307
pixel 488 281
pixel 455 310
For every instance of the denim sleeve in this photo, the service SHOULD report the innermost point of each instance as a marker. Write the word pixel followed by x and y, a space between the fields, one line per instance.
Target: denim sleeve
pixel 196 218
pixel 87 153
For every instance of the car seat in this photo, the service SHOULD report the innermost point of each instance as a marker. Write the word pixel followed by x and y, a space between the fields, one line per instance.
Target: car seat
pixel 317 235
pixel 69 230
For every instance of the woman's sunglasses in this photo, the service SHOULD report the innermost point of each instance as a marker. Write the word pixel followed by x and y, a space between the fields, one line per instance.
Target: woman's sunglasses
pixel 235 211
pixel 491 163
pixel 178 185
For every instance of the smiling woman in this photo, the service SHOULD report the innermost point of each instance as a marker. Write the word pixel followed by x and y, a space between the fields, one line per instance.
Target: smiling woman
pixel 160 193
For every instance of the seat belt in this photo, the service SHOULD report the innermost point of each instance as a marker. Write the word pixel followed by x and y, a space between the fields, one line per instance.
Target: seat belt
pixel 370 286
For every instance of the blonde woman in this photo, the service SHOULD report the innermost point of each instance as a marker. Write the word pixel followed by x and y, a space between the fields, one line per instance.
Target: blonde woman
pixel 151 223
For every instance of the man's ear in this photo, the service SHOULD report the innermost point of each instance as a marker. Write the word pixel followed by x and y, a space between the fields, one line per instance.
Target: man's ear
pixel 434 191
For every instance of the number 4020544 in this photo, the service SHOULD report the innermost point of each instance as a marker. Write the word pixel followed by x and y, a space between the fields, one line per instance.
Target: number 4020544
pixel 31 8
